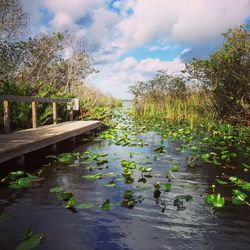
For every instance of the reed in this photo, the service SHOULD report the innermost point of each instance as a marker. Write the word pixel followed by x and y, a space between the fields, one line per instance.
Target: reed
pixel 193 108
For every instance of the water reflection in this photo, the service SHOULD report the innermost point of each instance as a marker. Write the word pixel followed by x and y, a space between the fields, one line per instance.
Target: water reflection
pixel 143 217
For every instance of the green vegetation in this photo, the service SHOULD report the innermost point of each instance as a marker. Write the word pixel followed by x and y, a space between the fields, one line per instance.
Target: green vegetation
pixel 224 149
pixel 202 114
pixel 216 200
pixel 211 89
pixel 20 179
pixel 30 242
pixel 180 125
pixel 41 67
pixel 207 111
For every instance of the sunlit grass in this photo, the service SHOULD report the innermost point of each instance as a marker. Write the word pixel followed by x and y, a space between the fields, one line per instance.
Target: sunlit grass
pixel 193 108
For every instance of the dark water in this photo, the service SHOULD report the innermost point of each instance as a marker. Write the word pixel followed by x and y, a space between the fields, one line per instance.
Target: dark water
pixel 144 227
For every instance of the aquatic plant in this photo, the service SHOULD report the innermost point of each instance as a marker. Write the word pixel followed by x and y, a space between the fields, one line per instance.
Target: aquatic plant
pixel 20 179
pixel 167 187
pixel 30 241
pixel 216 200
pixel 93 177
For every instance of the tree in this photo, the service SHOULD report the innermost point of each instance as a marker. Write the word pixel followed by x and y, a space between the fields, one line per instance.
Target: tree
pixel 226 75
pixel 78 64
pixel 11 57
pixel 13 20
pixel 41 59
pixel 138 89
pixel 44 60
pixel 159 87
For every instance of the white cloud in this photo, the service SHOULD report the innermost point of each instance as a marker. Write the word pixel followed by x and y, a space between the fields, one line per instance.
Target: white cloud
pixel 158 47
pixel 66 12
pixel 185 51
pixel 142 22
pixel 102 28
pixel 207 19
pixel 154 24
pixel 117 77
pixel 181 21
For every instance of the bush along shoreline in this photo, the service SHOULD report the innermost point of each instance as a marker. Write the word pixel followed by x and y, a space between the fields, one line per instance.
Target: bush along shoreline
pixel 94 105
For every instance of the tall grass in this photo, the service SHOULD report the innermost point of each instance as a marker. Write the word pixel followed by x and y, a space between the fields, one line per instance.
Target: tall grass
pixel 195 107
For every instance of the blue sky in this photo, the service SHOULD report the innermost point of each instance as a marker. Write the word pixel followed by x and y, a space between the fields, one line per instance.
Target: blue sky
pixel 131 39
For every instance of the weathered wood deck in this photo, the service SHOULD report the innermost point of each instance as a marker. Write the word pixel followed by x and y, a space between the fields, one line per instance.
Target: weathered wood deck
pixel 22 142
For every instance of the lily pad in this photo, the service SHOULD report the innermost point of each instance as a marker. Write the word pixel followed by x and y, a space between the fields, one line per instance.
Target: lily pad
pixel 85 206
pixel 167 187
pixel 16 174
pixel 106 205
pixel 239 197
pixel 30 243
pixel 128 164
pixel 110 174
pixel 127 194
pixel 221 182
pixel 71 202
pixel 216 200
pixel 174 168
pixel 246 186
pixel 160 149
pixel 111 184
pixel 65 158
pixel 66 195
pixel 56 190
pixel 93 177
pixel 22 182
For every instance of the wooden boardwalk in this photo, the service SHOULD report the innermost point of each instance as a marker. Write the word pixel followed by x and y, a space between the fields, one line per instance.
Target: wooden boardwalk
pixel 22 142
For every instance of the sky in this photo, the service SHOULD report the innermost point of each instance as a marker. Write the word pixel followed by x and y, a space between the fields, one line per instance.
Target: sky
pixel 130 40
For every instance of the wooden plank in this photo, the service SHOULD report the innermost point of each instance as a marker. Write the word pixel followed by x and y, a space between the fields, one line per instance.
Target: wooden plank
pixel 34 115
pixel 54 113
pixel 6 117
pixel 12 98
pixel 22 142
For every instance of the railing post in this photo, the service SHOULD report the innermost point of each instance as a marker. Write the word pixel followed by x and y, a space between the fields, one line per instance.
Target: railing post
pixel 54 113
pixel 34 115
pixel 71 112
pixel 6 115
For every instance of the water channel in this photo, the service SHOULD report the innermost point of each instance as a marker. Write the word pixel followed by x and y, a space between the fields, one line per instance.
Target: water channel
pixel 151 224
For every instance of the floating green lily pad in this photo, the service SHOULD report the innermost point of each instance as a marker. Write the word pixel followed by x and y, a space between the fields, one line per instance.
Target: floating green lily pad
pixel 106 205
pixel 221 182
pixel 85 206
pixel 167 187
pixel 111 184
pixel 174 168
pixel 66 195
pixel 238 197
pixel 30 243
pixel 71 202
pixel 216 200
pixel 56 190
pixel 93 177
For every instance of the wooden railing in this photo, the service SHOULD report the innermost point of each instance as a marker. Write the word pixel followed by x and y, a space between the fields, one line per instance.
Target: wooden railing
pixel 73 104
